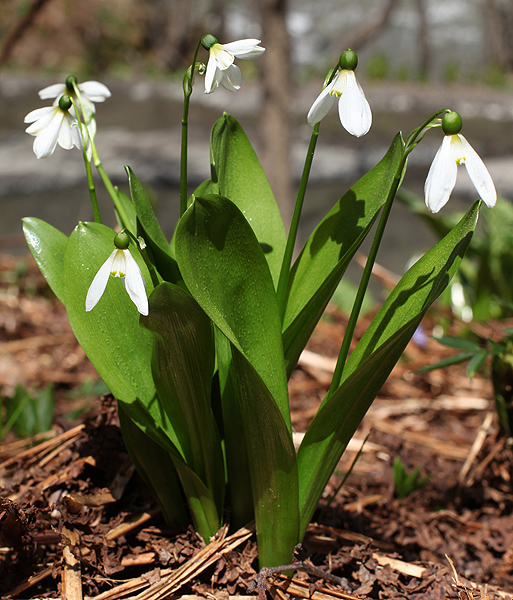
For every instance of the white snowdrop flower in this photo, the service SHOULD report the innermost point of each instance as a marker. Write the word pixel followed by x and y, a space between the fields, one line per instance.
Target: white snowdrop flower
pixel 454 151
pixel 54 125
pixel 90 92
pixel 121 264
pixel 353 109
pixel 220 67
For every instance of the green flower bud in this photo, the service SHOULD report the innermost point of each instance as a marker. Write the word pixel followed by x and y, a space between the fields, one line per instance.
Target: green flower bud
pixel 348 60
pixel 207 41
pixel 122 240
pixel 451 123
pixel 65 102
pixel 70 81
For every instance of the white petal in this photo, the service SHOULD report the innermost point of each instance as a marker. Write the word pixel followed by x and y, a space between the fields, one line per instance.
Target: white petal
pixel 95 91
pixel 40 113
pixel 441 177
pixel 479 175
pixel 245 49
pixel 46 139
pixel 231 79
pixel 135 285
pixel 223 58
pixel 321 106
pixel 211 82
pixel 52 91
pixel 353 108
pixel 99 283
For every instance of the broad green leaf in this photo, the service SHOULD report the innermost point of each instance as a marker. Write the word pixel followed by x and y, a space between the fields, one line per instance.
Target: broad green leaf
pixel 327 253
pixel 372 361
pixel 273 467
pixel 121 351
pixel 236 174
pixel 183 366
pixel 476 362
pixel 151 231
pixel 224 268
pixel 47 246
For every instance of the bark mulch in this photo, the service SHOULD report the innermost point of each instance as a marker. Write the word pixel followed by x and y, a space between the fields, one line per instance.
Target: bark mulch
pixel 76 521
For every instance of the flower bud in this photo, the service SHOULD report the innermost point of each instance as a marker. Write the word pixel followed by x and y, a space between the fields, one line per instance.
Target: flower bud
pixel 451 123
pixel 348 60
pixel 207 41
pixel 65 103
pixel 71 81
pixel 122 240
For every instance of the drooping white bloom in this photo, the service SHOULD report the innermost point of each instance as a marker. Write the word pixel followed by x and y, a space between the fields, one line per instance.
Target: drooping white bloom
pixel 90 92
pixel 353 109
pixel 441 179
pixel 52 125
pixel 119 264
pixel 220 67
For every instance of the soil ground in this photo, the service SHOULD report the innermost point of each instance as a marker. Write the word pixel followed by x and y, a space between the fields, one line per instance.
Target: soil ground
pixel 76 519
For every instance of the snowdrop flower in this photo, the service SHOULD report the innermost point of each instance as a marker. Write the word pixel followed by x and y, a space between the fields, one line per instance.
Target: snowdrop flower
pixel 353 109
pixel 220 67
pixel 120 264
pixel 454 151
pixel 54 125
pixel 90 92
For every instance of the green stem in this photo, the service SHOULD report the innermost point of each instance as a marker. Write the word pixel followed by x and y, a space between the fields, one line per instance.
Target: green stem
pixel 187 92
pixel 87 163
pixel 99 167
pixel 294 225
pixel 92 188
pixel 281 291
pixel 364 282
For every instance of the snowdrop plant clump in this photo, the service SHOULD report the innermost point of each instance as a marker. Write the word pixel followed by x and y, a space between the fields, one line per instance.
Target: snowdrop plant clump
pixel 212 322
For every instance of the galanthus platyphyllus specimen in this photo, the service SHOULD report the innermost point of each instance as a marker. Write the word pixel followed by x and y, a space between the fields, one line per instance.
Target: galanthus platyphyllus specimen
pixel 120 264
pixel 220 67
pixel 353 109
pixel 90 92
pixel 454 151
pixel 54 125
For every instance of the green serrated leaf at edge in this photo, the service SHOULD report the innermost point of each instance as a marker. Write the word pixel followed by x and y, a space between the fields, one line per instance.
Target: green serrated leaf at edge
pixel 225 271
pixel 372 361
pixel 121 351
pixel 47 246
pixel 238 175
pixel 327 253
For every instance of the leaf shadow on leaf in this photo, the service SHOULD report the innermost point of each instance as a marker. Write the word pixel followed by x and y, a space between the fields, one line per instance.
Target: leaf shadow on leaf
pixel 351 210
pixel 402 310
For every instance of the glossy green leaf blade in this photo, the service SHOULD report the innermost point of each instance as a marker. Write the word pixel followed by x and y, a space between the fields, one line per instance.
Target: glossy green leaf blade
pixel 47 246
pixel 372 361
pixel 183 366
pixel 237 465
pixel 225 270
pixel 110 334
pixel 151 230
pixel 273 467
pixel 238 175
pixel 327 253
pixel 121 351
